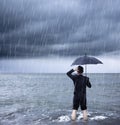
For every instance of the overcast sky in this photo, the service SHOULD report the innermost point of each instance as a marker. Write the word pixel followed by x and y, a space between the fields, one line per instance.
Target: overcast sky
pixel 59 28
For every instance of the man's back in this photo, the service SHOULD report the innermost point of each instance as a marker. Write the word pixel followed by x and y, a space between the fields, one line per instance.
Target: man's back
pixel 80 82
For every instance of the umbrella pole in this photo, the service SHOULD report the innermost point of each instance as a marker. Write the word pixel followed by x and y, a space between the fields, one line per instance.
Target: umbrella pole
pixel 85 70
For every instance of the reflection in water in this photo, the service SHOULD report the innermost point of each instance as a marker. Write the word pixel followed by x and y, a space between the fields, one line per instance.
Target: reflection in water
pixel 79 123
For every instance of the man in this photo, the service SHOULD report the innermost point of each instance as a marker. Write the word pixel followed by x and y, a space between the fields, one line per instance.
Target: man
pixel 79 99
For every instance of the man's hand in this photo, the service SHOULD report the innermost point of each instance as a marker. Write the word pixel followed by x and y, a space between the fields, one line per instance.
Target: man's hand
pixel 76 69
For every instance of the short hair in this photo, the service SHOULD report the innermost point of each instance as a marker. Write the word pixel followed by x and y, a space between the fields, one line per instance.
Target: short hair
pixel 80 69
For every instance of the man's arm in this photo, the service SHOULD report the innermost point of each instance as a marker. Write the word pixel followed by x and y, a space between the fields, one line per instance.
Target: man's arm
pixel 69 73
pixel 88 83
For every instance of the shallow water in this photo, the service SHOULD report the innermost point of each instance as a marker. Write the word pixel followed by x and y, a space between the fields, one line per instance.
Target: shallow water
pixel 46 99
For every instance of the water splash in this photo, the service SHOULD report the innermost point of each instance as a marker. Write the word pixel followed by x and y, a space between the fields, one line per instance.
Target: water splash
pixel 64 118
pixel 98 118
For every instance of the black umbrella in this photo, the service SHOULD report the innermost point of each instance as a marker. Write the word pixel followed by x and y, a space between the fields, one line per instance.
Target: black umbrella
pixel 84 60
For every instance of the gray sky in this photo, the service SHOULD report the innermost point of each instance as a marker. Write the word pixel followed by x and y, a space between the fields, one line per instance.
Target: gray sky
pixel 60 28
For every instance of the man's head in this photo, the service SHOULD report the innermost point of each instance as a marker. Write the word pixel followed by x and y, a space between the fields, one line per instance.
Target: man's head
pixel 80 69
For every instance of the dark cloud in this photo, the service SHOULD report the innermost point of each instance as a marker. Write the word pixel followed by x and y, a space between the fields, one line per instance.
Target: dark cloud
pixel 30 28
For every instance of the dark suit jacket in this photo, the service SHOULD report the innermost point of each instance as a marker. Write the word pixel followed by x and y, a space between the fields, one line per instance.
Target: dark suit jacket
pixel 80 83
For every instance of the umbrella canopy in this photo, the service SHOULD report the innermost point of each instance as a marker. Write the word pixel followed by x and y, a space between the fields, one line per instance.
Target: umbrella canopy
pixel 86 60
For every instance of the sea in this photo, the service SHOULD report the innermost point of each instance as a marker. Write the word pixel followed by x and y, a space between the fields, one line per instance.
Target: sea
pixel 46 99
